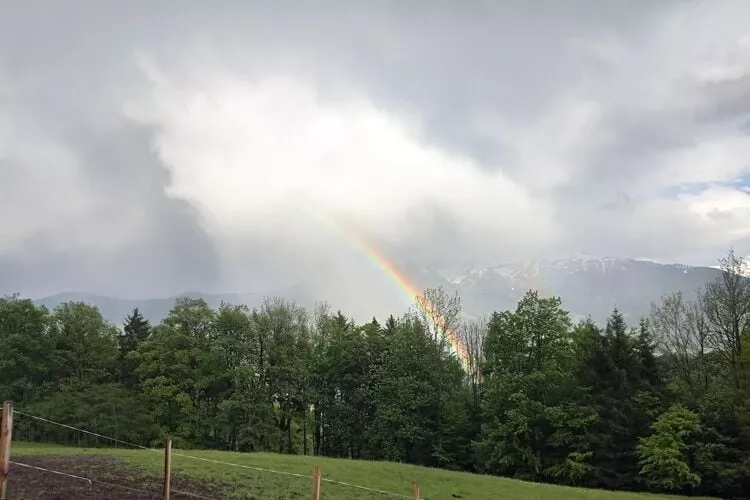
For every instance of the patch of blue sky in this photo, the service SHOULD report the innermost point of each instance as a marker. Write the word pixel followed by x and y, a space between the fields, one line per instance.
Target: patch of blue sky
pixel 742 181
pixel 693 188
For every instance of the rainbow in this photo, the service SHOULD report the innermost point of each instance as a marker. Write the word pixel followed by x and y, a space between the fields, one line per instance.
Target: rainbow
pixel 405 285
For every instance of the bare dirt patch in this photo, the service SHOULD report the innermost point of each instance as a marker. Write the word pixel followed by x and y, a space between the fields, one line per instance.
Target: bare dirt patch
pixel 112 479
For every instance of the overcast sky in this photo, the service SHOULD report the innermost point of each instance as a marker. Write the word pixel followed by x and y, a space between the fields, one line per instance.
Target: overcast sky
pixel 149 148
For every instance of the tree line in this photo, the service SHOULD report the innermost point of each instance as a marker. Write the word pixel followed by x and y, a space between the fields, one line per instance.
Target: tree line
pixel 660 406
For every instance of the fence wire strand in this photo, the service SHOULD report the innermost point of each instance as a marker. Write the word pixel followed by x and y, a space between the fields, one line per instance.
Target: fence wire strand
pixel 97 481
pixel 303 476
pixel 50 471
pixel 85 431
pixel 88 480
pixel 218 462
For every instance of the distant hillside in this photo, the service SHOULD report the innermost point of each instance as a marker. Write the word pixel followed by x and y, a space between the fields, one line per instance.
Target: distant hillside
pixel 588 286
pixel 115 309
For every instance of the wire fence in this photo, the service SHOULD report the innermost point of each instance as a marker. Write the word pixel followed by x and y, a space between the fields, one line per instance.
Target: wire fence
pixel 185 456
pixel 92 482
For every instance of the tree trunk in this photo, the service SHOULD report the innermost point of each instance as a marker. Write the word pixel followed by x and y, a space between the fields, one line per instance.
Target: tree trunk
pixel 304 431
pixel 289 435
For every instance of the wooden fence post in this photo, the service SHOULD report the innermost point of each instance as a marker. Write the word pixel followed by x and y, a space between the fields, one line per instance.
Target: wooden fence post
pixel 6 433
pixel 316 483
pixel 415 491
pixel 167 468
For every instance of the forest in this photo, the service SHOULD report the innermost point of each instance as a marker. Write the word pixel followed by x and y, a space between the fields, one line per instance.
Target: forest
pixel 660 405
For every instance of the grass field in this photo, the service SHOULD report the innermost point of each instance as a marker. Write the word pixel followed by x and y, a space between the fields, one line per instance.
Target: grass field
pixel 226 481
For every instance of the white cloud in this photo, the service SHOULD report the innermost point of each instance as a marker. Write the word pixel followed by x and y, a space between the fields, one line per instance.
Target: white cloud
pixel 254 153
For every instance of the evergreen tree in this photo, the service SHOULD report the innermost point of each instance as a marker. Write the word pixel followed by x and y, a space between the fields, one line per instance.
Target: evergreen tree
pixel 650 372
pixel 136 330
pixel 608 370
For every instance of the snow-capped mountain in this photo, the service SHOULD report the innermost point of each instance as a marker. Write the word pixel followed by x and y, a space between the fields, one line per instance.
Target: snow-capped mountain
pixel 588 285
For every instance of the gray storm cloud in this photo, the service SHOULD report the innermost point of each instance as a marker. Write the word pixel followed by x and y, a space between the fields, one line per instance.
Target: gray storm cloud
pixel 154 148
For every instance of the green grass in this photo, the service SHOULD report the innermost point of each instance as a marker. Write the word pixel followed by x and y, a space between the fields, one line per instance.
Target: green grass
pixel 435 484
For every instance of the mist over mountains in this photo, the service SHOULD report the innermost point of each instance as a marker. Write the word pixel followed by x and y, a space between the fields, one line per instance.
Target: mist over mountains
pixel 588 285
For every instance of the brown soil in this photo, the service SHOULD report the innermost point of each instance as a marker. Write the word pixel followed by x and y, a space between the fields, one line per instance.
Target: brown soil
pixel 123 482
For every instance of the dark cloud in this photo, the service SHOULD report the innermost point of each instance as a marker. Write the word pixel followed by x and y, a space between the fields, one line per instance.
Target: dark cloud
pixel 116 166
pixel 547 129
pixel 166 252
pixel 727 101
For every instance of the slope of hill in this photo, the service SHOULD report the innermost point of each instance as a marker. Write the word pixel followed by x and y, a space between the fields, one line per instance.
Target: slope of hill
pixel 588 286
pixel 115 309
pixel 238 475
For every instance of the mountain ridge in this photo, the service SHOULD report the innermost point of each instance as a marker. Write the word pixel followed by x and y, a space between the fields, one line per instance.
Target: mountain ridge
pixel 589 286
